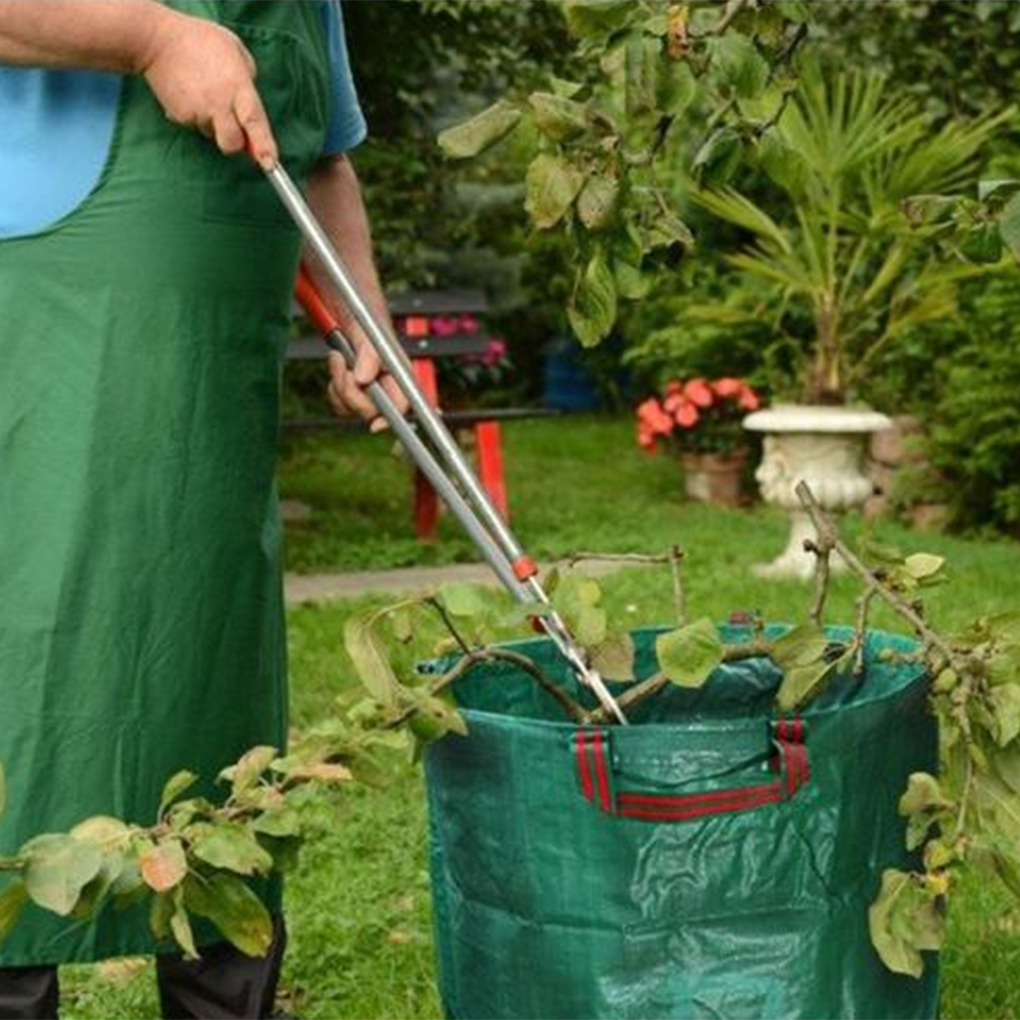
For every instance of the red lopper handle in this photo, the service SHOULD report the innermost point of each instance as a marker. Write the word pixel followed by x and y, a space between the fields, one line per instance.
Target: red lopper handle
pixel 311 301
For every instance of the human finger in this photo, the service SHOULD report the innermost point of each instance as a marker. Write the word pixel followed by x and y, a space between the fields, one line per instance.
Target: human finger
pixel 356 399
pixel 251 115
pixel 395 393
pixel 367 365
pixel 227 132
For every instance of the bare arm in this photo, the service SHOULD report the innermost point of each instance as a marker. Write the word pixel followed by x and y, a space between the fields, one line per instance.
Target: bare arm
pixel 201 73
pixel 335 197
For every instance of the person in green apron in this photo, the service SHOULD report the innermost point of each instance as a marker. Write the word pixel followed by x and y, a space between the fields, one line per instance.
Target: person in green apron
pixel 145 288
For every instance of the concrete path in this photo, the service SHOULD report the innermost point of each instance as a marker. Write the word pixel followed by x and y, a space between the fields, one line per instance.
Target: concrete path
pixel 304 588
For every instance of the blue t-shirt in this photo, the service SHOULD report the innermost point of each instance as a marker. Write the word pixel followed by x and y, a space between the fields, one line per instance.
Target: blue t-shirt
pixel 46 114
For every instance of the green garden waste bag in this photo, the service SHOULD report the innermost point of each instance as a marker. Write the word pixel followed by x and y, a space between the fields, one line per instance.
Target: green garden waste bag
pixel 713 860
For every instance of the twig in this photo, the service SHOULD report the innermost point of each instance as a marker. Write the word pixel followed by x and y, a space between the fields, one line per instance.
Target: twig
pixel 861 629
pixel 823 552
pixel 827 533
pixel 574 558
pixel 448 623
pixel 676 557
pixel 961 815
pixel 479 657
pixel 759 648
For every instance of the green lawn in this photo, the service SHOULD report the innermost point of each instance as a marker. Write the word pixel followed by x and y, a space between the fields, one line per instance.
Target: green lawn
pixel 358 906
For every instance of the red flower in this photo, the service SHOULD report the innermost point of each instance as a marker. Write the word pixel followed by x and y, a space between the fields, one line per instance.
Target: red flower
pixel 687 416
pixel 749 399
pixel 729 387
pixel 653 419
pixel 699 393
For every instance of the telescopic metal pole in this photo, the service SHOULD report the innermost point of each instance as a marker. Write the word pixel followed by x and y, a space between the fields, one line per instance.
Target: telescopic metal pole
pixel 491 534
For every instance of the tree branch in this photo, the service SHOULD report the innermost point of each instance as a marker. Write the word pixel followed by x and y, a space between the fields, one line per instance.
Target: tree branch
pixel 828 534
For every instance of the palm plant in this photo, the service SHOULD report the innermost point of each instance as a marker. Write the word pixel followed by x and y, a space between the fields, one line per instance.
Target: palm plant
pixel 846 152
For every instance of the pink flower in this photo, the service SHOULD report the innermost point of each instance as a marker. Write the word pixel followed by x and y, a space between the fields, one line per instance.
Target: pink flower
pixel 495 352
pixel 445 325
pixel 729 387
pixel 749 399
pixel 699 393
pixel 468 323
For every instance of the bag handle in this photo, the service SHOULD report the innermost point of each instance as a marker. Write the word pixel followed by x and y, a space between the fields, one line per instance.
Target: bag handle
pixel 598 783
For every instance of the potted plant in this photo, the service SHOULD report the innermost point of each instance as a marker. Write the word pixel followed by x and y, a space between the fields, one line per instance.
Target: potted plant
pixel 844 153
pixel 701 421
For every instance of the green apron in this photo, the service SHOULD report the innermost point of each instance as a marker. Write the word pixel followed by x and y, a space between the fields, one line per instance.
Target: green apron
pixel 141 619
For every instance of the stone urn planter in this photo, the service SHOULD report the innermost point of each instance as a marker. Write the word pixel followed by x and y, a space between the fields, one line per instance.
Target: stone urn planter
pixel 714 477
pixel 823 446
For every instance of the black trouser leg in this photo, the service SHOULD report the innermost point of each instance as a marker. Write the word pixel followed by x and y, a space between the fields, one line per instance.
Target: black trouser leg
pixel 29 993
pixel 223 985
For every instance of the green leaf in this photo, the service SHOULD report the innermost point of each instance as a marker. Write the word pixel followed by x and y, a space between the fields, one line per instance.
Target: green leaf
pixel 802 682
pixel 281 823
pixel 1009 226
pixel 57 868
pixel 483 130
pixel 435 717
pixel 614 658
pixel 370 659
pixel 631 283
pixel 642 57
pixel 229 846
pixel 667 230
pixel 249 768
pixel 801 655
pixel 718 156
pixel 1005 705
pixel 175 786
pixel 402 624
pixel 564 88
pixel 738 66
pixel 557 117
pixel 903 922
pixel 689 655
pixel 234 909
pixel 592 310
pixel 677 87
pixel 102 830
pixel 12 905
pixel 600 18
pixel 180 928
pixel 923 793
pixel 1002 188
pixel 1004 626
pixel 923 566
pixel 164 865
pixel 465 600
pixel 802 646
pixel 784 164
pixel 551 185
pixel 597 202
pixel 160 913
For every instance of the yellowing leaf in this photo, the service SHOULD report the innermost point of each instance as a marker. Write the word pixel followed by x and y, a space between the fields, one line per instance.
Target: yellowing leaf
pixel 558 117
pixel 923 566
pixel 234 909
pixel 923 793
pixel 614 658
pixel 370 659
pixel 483 130
pixel 57 869
pixel 230 846
pixel 688 656
pixel 12 904
pixel 596 204
pixel 551 185
pixel 592 309
pixel 175 786
pixel 1005 705
pixel 163 866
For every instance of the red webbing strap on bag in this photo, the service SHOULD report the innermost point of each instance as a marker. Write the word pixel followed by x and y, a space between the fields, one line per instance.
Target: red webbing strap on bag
pixel 596 779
